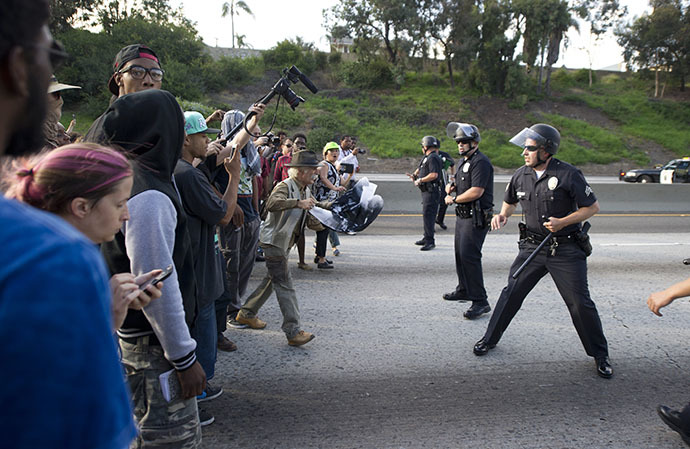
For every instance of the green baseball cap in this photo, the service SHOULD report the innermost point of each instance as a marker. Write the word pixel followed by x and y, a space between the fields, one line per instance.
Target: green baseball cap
pixel 195 123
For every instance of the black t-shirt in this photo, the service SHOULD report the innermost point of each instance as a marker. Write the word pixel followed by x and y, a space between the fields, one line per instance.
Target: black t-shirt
pixel 431 163
pixel 476 171
pixel 204 209
pixel 561 190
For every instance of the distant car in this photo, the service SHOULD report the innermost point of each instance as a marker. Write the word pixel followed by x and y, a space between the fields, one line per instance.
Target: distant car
pixel 645 175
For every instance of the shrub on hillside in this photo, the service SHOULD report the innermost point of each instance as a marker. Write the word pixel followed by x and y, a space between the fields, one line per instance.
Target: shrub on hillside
pixel 226 72
pixel 374 74
pixel 288 53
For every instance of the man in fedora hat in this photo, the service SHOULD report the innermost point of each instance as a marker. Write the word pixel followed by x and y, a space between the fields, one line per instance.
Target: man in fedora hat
pixel 287 211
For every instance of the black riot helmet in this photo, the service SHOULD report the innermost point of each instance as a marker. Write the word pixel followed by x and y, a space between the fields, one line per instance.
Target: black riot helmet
pixel 430 142
pixel 545 135
pixel 463 132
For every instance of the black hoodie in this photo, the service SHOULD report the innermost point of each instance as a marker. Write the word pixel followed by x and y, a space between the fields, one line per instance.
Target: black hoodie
pixel 150 126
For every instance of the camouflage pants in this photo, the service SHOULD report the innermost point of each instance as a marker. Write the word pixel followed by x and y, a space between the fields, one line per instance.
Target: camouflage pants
pixel 161 423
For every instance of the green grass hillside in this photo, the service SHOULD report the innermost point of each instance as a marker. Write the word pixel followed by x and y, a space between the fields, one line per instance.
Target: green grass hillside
pixel 615 121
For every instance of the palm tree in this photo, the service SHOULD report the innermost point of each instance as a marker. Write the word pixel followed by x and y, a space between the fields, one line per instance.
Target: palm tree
pixel 232 8
pixel 241 43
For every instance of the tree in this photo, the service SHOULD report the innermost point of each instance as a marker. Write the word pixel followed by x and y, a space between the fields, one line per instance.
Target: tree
pixel 455 26
pixel 233 9
pixel 601 15
pixel 64 13
pixel 659 41
pixel 545 25
pixel 371 22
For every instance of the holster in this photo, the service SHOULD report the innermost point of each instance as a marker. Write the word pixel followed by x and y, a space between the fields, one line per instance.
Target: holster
pixel 582 239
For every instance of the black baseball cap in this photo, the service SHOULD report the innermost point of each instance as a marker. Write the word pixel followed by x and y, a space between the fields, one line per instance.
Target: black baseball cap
pixel 125 55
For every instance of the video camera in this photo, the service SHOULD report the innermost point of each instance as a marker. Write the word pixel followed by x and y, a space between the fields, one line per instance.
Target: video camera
pixel 282 88
pixel 273 139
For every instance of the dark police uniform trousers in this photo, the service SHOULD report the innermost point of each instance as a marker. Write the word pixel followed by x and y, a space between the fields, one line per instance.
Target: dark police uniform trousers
pixel 560 190
pixel 476 171
pixel 431 195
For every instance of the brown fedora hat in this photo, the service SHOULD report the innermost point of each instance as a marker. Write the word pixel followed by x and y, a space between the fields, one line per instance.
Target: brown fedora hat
pixel 304 158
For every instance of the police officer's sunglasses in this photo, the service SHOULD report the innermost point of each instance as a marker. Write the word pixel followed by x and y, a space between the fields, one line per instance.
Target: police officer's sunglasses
pixel 531 148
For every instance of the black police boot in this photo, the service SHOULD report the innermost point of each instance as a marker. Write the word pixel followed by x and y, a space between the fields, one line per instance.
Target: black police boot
pixel 428 246
pixel 673 419
pixel 604 367
pixel 482 348
pixel 420 242
pixel 443 226
pixel 455 296
pixel 476 310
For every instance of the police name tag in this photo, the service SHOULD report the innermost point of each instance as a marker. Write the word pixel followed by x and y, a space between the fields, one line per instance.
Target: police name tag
pixel 466 167
pixel 521 195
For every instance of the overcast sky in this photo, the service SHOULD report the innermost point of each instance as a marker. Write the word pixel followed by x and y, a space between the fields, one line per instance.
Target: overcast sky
pixel 276 20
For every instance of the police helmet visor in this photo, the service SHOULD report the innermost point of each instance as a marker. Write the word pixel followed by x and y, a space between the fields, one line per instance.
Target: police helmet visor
pixel 520 138
pixel 460 132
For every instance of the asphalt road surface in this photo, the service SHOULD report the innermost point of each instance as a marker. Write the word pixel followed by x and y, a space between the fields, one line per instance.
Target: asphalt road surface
pixel 392 363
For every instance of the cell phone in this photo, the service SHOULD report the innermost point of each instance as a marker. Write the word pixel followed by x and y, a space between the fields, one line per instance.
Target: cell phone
pixel 161 277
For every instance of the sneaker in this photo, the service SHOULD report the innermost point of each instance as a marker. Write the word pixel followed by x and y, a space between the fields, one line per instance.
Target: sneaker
pixel 328 265
pixel 224 344
pixel 316 260
pixel 209 393
pixel 336 252
pixel 205 418
pixel 301 338
pixel 233 323
pixel 252 322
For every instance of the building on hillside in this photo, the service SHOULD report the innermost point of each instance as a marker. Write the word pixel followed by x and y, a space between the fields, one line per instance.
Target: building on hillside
pixel 224 52
pixel 343 45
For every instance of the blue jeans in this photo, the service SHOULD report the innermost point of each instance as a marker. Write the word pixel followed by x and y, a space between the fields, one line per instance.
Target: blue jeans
pixel 206 335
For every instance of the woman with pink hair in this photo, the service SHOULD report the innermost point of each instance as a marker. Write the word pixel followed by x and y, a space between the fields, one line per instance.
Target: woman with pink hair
pixel 88 186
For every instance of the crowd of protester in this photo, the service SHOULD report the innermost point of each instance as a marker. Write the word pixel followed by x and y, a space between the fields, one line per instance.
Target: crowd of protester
pixel 154 188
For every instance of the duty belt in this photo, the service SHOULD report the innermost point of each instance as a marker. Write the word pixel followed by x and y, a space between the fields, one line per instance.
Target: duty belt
pixel 533 237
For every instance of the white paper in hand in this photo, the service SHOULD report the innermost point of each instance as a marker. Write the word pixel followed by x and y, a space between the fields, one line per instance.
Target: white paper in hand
pixel 170 385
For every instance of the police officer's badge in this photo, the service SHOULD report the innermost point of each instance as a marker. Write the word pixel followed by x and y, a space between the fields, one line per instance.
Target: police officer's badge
pixel 466 167
pixel 553 183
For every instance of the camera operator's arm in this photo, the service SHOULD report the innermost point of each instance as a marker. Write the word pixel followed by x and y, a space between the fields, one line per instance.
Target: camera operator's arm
pixel 242 137
pixel 216 116
pixel 232 166
pixel 657 300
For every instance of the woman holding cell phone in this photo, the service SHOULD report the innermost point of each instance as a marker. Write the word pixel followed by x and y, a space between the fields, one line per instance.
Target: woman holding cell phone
pixel 88 185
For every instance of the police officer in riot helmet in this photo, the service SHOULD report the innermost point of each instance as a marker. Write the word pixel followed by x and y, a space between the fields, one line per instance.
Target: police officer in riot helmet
pixel 555 200
pixel 472 194
pixel 427 178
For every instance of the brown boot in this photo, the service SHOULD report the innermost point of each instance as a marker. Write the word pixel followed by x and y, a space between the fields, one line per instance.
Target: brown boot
pixel 301 338
pixel 252 322
pixel 224 344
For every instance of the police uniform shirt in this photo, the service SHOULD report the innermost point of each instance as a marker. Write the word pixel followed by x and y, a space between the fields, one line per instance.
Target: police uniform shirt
pixel 561 190
pixel 431 163
pixel 476 171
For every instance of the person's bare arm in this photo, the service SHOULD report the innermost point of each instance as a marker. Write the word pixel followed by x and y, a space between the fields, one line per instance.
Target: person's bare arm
pixel 502 218
pixel 232 166
pixel 658 300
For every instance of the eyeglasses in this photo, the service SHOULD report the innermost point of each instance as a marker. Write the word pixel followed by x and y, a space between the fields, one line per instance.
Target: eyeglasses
pixel 138 72
pixel 56 54
pixel 531 148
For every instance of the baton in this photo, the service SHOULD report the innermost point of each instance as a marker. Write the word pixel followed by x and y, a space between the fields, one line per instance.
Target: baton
pixel 533 255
